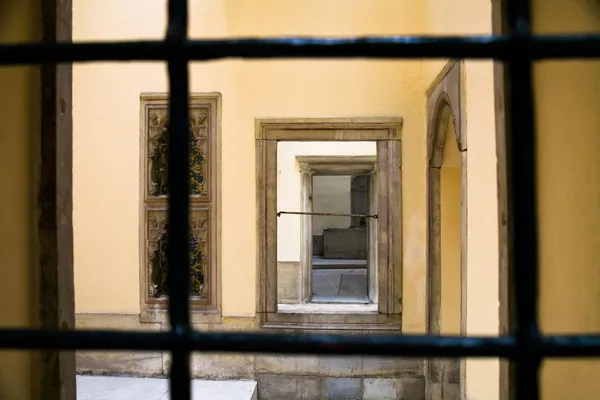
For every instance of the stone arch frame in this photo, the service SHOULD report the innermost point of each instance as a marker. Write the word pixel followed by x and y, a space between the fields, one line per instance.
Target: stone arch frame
pixel 445 100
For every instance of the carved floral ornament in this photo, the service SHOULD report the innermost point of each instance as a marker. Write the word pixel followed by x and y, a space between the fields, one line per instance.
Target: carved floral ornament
pixel 158 137
pixel 203 133
pixel 157 261
pixel 359 182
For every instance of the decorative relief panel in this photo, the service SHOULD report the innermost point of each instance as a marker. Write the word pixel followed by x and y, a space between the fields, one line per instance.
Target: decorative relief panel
pixel 157 261
pixel 158 136
pixel 203 127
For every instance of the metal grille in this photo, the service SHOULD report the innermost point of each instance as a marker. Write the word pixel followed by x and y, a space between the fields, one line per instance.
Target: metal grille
pixel 525 348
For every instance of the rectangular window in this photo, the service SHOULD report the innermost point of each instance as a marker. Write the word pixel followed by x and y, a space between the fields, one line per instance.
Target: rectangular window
pixel 339 227
pixel 329 182
pixel 340 238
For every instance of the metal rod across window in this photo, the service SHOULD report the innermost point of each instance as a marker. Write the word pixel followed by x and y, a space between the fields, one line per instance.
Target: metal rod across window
pixel 526 348
pixel 280 213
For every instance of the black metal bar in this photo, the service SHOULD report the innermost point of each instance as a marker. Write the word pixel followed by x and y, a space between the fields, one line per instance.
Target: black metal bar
pixel 280 213
pixel 381 345
pixel 178 184
pixel 522 207
pixel 399 47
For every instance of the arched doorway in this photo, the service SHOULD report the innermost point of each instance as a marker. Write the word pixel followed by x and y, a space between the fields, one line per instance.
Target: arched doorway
pixel 446 230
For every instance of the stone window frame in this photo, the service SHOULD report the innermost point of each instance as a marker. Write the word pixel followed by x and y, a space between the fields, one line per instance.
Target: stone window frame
pixel 208 311
pixel 386 131
pixel 329 165
pixel 445 99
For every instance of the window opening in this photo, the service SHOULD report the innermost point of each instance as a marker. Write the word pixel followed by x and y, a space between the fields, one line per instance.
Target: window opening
pixel 313 269
pixel 340 256
pixel 526 348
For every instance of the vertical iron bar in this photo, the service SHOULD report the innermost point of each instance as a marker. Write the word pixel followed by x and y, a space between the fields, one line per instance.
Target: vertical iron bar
pixel 522 201
pixel 178 214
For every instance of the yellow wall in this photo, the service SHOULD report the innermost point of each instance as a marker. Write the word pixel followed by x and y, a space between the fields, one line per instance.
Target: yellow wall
pixel 450 228
pixel 19 113
pixel 482 301
pixel 106 106
pixel 289 187
pixel 566 95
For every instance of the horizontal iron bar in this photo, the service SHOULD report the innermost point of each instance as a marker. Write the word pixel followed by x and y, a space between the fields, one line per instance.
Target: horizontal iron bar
pixel 280 213
pixel 394 47
pixel 396 345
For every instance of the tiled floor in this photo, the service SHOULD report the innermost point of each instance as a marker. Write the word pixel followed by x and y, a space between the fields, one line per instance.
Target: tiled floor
pixel 118 388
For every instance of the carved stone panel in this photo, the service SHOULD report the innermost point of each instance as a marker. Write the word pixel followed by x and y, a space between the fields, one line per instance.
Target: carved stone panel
pixel 157 260
pixel 204 156
pixel 157 141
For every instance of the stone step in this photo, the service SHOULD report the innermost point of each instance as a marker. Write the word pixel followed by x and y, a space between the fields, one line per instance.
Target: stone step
pixel 126 388
pixel 329 263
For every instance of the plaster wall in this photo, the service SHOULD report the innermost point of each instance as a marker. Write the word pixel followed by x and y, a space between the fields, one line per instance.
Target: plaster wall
pixel 467 17
pixel 450 226
pixel 106 109
pixel 566 97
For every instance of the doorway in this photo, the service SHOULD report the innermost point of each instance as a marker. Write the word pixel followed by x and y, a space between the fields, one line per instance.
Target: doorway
pixel 446 230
